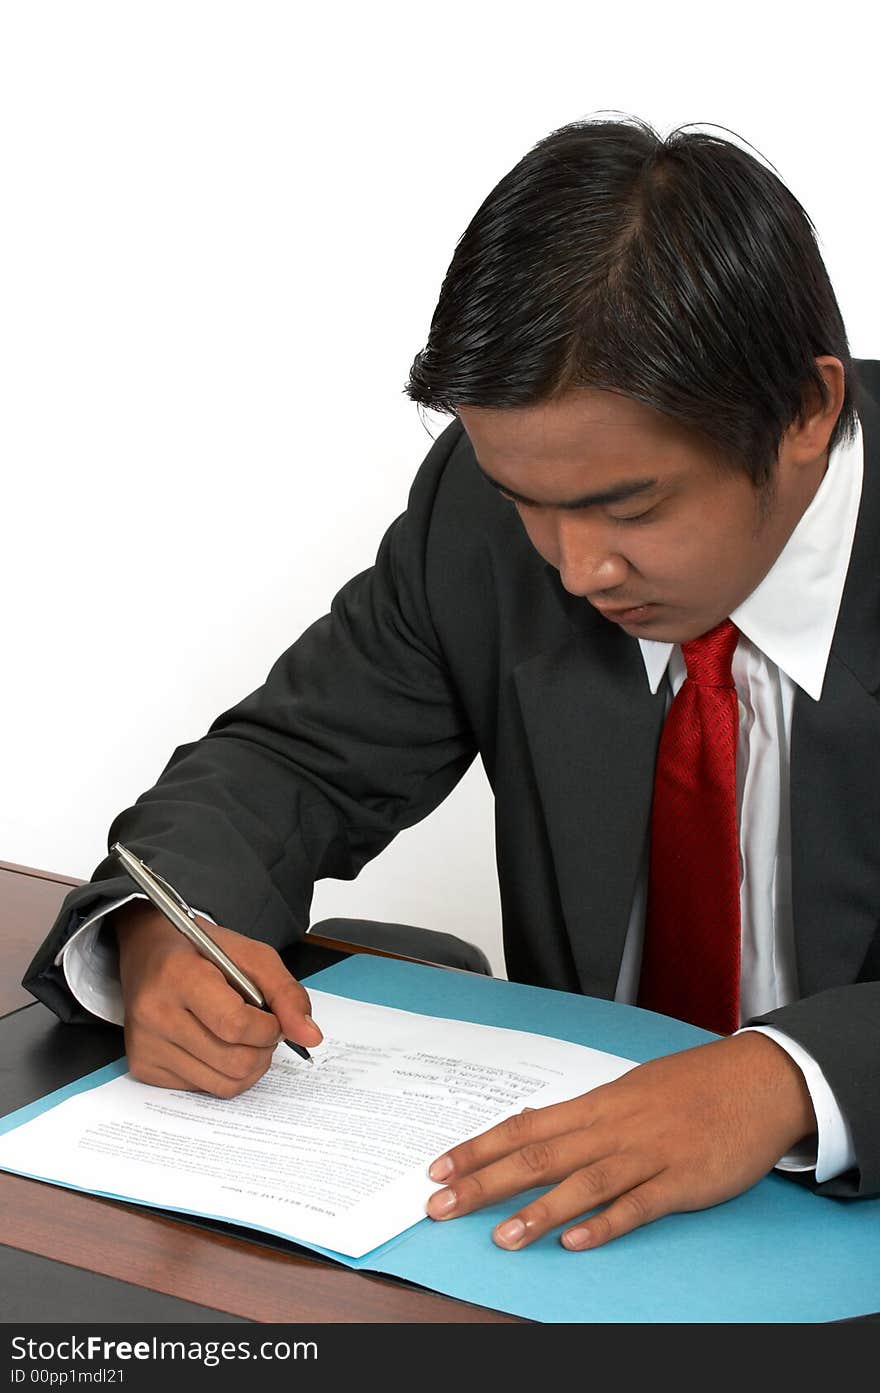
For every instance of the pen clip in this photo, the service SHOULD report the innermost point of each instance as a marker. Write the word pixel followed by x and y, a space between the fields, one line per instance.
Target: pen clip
pixel 152 875
pixel 175 894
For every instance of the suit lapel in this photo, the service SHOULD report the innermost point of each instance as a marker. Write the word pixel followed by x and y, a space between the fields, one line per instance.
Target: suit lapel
pixel 835 742
pixel 592 727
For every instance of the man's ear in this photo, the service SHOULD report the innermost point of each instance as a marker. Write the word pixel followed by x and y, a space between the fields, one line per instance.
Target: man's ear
pixel 817 418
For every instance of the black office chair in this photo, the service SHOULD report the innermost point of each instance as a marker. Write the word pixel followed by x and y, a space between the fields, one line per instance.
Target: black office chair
pixel 325 942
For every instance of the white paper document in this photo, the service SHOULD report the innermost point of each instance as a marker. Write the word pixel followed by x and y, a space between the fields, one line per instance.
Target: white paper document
pixel 334 1153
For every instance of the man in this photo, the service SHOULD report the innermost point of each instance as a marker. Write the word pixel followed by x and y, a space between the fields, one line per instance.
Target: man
pixel 651 500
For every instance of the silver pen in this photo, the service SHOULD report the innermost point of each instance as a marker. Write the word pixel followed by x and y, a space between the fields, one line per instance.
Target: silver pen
pixel 178 912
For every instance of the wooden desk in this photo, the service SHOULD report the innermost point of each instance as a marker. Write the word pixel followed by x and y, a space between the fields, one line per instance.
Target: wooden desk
pixel 168 1255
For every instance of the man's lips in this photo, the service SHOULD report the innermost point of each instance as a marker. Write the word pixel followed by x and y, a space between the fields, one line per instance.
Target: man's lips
pixel 624 613
pixel 610 611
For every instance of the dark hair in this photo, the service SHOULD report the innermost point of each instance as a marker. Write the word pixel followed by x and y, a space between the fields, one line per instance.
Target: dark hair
pixel 680 272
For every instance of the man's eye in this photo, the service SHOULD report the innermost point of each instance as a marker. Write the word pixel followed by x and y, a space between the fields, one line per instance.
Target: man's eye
pixel 634 517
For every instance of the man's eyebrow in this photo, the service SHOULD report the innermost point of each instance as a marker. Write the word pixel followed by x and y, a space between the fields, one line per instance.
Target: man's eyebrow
pixel 588 500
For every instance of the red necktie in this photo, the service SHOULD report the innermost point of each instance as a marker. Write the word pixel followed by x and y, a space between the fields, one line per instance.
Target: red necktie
pixel 691 958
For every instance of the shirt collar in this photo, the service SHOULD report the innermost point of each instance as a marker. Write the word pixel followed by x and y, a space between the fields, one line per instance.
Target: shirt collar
pixel 791 615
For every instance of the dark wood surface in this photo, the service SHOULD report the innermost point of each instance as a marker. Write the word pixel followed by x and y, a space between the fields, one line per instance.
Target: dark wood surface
pixel 29 902
pixel 167 1255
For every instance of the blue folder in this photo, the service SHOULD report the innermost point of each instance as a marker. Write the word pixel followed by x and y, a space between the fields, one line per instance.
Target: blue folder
pixel 777 1253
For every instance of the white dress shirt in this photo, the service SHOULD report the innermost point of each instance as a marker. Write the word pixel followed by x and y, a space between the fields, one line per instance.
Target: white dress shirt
pixel 786 627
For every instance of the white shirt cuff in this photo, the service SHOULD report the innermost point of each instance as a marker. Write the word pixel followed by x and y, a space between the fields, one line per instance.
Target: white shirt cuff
pixel 835 1152
pixel 91 964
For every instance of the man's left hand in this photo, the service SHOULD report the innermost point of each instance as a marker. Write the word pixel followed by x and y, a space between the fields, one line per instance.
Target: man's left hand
pixel 682 1132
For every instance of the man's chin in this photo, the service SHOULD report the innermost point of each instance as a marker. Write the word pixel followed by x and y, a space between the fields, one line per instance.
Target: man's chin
pixel 662 628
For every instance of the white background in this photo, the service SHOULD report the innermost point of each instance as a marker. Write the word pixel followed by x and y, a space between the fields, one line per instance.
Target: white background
pixel 223 232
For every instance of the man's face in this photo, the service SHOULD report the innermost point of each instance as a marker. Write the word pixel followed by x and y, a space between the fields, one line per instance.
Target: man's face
pixel 634 511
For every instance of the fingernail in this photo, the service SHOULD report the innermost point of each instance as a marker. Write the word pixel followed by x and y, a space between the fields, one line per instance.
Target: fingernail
pixel 441 1168
pixel 576 1238
pixel 441 1203
pixel 314 1025
pixel 511 1231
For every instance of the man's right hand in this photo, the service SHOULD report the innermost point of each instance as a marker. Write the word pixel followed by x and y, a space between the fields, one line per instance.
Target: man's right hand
pixel 185 1026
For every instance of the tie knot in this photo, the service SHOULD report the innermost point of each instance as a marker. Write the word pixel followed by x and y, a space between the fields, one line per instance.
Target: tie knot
pixel 709 658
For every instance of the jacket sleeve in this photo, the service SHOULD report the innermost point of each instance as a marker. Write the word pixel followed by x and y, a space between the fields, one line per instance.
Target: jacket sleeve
pixel 840 1028
pixel 357 733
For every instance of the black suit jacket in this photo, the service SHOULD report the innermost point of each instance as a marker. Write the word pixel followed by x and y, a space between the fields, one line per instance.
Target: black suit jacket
pixel 460 641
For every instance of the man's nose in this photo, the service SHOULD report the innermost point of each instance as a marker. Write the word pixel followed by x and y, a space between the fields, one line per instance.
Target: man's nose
pixel 588 559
